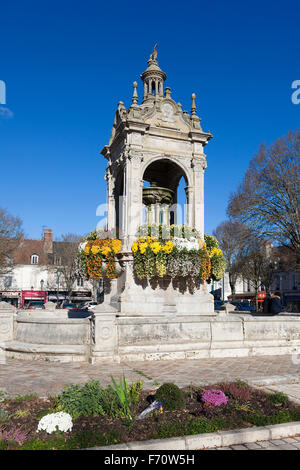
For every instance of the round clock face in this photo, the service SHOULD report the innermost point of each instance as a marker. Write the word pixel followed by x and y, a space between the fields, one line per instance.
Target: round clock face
pixel 168 112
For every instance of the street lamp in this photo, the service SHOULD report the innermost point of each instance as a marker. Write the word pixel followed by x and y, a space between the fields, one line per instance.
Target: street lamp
pixel 58 273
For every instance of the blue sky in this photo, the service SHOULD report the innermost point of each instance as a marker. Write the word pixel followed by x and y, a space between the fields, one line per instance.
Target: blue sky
pixel 66 64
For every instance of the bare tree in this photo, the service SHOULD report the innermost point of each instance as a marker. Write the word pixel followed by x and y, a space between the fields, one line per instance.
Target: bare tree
pixel 11 234
pixel 66 257
pixel 232 237
pixel 268 199
pixel 258 263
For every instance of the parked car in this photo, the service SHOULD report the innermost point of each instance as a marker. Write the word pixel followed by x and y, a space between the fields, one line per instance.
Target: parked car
pixel 91 305
pixel 218 304
pixel 68 306
pixel 244 307
pixel 36 305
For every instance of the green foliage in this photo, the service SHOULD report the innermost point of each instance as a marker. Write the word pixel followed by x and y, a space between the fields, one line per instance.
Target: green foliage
pixel 45 412
pixel 92 399
pixel 135 390
pixel 4 415
pixel 122 394
pixel 163 232
pixel 282 416
pixel 189 427
pixel 218 266
pixel 278 398
pixel 211 242
pixel 88 399
pixel 27 397
pixel 3 445
pixel 22 413
pixel 171 397
pixel 127 396
pixel 81 440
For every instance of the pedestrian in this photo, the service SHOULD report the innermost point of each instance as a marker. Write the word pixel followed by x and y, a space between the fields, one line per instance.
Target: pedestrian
pixel 266 307
pixel 275 303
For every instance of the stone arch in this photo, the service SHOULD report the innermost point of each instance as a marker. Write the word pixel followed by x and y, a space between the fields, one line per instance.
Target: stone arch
pixel 160 198
pixel 160 158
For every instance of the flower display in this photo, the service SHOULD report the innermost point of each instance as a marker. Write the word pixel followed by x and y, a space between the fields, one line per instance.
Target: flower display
pixel 150 256
pixel 176 250
pixel 218 263
pixel 214 397
pixel 55 422
pixel 14 435
pixel 95 251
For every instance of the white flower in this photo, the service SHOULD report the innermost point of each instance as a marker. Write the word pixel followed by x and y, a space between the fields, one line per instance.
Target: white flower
pixel 55 421
pixel 188 244
pixel 82 246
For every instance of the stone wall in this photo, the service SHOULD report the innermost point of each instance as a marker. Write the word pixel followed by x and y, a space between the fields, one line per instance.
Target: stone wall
pixel 111 337
pixel 193 337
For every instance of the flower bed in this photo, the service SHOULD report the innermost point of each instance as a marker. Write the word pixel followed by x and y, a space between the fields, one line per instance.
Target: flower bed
pixel 106 416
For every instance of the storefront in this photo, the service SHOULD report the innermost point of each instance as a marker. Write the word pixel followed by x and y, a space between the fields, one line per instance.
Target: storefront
pixel 81 296
pixel 58 297
pixel 77 297
pixel 11 297
pixel 29 295
pixel 292 302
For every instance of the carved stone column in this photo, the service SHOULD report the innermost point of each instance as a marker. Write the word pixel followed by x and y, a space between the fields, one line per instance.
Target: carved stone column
pixel 7 313
pixel 111 211
pixel 6 321
pixel 133 201
pixel 198 199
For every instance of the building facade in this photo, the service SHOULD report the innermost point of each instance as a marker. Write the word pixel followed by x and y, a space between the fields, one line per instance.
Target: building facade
pixel 36 275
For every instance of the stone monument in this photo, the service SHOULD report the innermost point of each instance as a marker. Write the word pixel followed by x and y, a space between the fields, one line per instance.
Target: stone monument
pixel 158 143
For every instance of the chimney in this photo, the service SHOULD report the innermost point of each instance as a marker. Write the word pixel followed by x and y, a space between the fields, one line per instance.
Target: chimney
pixel 48 240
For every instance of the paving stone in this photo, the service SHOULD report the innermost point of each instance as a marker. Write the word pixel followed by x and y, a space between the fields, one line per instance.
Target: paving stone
pixel 267 444
pixel 253 446
pixel 276 442
pixel 239 447
pixel 290 440
pixel 287 447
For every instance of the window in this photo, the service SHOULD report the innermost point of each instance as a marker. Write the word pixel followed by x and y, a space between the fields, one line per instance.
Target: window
pixel 80 282
pixel 34 259
pixel 57 260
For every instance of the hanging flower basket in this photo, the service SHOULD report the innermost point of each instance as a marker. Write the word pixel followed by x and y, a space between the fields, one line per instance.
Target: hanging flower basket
pixel 98 258
pixel 178 256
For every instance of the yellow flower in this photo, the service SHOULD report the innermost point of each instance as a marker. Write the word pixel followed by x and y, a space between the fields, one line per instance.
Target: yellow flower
pixel 168 247
pixel 143 247
pixel 155 247
pixel 87 249
pixel 116 245
pixel 135 247
pixel 95 249
pixel 105 250
pixel 215 251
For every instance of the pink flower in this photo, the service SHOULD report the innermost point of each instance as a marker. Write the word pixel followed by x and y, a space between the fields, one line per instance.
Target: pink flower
pixel 214 397
pixel 15 435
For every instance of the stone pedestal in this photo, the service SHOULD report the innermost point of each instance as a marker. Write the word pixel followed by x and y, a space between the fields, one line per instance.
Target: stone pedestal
pixel 132 297
pixel 7 313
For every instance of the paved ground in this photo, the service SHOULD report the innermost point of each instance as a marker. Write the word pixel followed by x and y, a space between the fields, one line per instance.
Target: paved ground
pixel 48 378
pixel 290 443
